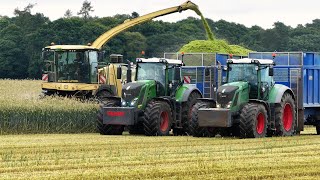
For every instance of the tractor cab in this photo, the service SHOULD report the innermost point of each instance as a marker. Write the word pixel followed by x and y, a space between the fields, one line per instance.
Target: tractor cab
pixel 252 75
pixel 155 77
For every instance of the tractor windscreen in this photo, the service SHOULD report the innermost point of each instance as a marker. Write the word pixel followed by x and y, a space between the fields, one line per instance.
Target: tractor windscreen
pixel 151 71
pixel 76 66
pixel 242 72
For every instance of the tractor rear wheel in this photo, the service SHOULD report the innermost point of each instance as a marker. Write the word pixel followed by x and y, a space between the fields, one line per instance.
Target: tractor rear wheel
pixel 194 125
pixel 107 129
pixel 318 129
pixel 187 111
pixel 253 121
pixel 285 116
pixel 158 119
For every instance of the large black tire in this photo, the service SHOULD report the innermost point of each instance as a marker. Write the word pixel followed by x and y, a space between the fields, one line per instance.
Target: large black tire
pixel 194 125
pixel 106 129
pixel 138 128
pixel 158 119
pixel 253 121
pixel 187 113
pixel 318 129
pixel 285 116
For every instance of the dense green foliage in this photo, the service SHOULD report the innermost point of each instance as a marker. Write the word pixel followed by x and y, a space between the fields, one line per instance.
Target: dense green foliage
pixel 23 36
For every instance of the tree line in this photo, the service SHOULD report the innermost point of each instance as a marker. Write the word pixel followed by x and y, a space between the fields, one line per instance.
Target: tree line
pixel 23 36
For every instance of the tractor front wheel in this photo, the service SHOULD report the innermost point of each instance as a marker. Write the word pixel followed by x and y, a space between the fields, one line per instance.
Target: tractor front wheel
pixel 253 121
pixel 107 129
pixel 158 119
pixel 285 116
pixel 194 125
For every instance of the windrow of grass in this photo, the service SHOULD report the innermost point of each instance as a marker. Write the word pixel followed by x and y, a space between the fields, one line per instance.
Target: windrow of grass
pixel 23 111
pixel 92 156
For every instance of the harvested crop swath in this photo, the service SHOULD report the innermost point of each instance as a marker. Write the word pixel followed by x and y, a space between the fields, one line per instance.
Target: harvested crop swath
pixel 92 156
pixel 212 44
pixel 22 111
pixel 220 46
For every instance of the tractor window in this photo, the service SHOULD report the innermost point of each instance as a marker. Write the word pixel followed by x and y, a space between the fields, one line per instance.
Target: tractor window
pixel 243 72
pixel 151 71
pixel 265 78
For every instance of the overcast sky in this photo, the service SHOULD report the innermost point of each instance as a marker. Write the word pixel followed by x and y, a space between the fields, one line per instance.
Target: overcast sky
pixel 248 12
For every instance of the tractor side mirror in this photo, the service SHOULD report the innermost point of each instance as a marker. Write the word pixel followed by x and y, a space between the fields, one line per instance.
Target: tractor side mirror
pixel 270 71
pixel 119 72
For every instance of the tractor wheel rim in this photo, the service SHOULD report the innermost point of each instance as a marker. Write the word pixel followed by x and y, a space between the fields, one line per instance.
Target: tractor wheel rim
pixel 164 123
pixel 260 123
pixel 287 118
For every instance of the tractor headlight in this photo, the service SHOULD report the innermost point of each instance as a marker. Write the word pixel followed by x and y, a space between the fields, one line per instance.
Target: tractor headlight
pixel 123 102
pixel 218 105
pixel 133 102
pixel 229 104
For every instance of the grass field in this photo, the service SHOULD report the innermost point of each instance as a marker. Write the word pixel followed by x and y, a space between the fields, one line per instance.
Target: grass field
pixel 22 111
pixel 92 156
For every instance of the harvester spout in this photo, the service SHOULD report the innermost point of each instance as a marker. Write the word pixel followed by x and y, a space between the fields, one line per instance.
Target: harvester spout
pixel 189 5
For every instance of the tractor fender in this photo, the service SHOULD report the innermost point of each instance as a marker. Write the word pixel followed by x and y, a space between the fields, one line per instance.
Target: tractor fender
pixel 104 87
pixel 277 92
pixel 165 99
pixel 184 92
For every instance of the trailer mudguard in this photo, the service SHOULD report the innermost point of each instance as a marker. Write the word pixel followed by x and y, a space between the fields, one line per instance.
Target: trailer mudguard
pixel 184 92
pixel 277 92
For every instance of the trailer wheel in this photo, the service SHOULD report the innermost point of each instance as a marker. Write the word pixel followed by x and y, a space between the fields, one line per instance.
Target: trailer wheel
pixel 201 131
pixel 187 112
pixel 285 116
pixel 253 121
pixel 318 129
pixel 158 119
pixel 107 129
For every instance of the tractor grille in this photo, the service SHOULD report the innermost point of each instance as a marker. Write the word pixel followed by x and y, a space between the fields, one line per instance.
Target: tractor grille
pixel 129 93
pixel 226 94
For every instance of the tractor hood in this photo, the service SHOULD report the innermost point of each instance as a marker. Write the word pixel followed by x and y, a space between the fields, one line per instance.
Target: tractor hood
pixel 132 90
pixel 227 92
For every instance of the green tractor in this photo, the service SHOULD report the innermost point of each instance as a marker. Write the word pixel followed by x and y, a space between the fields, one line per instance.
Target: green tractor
pixel 249 105
pixel 155 103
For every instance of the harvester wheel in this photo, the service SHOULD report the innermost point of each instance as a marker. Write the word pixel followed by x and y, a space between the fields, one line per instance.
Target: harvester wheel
pixel 187 113
pixel 253 121
pixel 106 129
pixel 195 129
pixel 285 116
pixel 158 119
pixel 318 129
